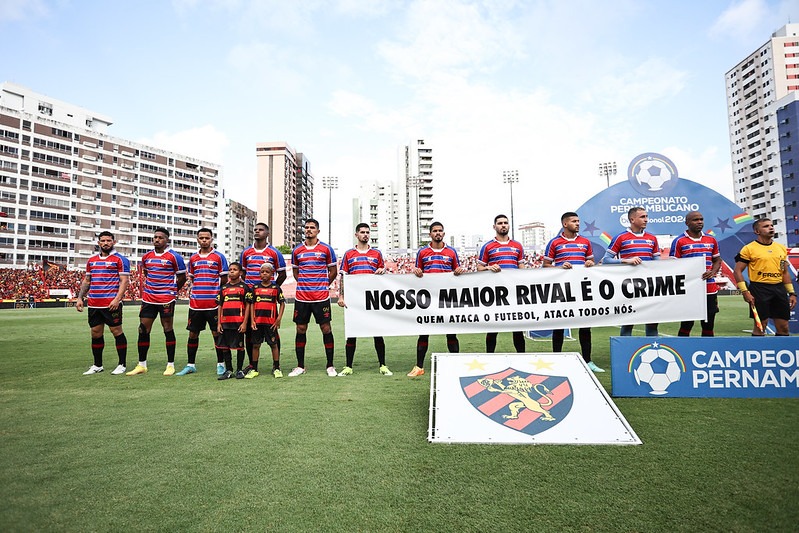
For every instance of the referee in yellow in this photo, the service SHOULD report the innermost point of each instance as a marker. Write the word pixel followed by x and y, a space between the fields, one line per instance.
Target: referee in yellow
pixel 770 293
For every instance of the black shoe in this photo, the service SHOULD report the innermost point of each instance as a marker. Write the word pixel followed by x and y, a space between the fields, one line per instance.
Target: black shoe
pixel 227 375
pixel 240 374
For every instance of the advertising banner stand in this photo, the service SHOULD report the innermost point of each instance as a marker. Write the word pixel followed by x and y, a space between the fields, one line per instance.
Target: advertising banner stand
pixel 705 367
pixel 527 398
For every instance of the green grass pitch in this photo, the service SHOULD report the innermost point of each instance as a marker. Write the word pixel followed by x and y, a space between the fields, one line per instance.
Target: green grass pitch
pixel 155 453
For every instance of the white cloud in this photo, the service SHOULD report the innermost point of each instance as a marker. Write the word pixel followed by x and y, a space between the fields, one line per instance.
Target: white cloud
pixel 265 65
pixel 204 142
pixel 448 36
pixel 652 80
pixel 741 20
pixel 369 116
pixel 15 10
pixel 368 8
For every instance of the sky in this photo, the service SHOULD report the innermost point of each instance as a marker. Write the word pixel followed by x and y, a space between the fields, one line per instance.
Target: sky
pixel 550 88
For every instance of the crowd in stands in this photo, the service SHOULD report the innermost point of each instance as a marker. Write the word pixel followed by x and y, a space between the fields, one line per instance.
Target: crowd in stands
pixel 22 284
pixel 34 281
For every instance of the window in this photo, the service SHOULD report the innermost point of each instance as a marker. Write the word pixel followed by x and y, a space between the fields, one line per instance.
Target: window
pixel 46 109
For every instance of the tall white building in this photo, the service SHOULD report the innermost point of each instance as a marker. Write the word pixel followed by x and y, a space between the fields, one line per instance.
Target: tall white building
pixel 239 223
pixel 285 191
pixel 400 212
pixel 533 236
pixel 379 206
pixel 754 86
pixel 416 191
pixel 63 180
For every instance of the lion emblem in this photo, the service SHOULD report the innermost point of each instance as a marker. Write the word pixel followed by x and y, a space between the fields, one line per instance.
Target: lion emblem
pixel 520 389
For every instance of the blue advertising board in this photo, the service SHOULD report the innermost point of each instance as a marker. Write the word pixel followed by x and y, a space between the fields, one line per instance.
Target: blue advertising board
pixel 705 367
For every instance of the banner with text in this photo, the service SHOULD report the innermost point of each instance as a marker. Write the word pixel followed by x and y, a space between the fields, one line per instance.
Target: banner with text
pixel 705 367
pixel 527 299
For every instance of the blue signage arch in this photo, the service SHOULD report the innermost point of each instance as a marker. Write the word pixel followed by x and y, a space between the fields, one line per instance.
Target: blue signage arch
pixel 654 184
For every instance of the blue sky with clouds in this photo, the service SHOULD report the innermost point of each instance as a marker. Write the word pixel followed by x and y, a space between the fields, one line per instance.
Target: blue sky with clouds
pixel 549 88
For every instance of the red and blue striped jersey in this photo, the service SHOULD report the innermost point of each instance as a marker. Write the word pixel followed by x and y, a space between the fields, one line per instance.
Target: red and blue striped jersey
pixel 206 272
pixel 505 254
pixel 628 244
pixel 160 286
pixel 436 261
pixel 104 277
pixel 705 246
pixel 252 258
pixel 562 250
pixel 356 262
pixel 312 279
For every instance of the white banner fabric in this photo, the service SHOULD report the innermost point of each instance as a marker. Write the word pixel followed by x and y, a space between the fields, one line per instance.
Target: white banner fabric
pixel 669 290
pixel 533 398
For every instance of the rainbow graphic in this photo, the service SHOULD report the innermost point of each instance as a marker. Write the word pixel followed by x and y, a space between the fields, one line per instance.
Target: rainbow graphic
pixel 639 351
pixel 711 233
pixel 743 217
pixel 606 238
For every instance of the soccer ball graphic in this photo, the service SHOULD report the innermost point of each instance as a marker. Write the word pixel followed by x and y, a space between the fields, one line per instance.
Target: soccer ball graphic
pixel 653 174
pixel 657 368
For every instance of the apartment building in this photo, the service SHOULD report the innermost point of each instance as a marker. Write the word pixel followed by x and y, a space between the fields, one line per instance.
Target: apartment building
pixel 416 192
pixel 400 212
pixel 285 188
pixel 533 236
pixel 378 205
pixel 64 179
pixel 762 154
pixel 239 223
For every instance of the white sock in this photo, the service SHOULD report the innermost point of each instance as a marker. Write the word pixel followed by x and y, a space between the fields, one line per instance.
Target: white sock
pixel 143 363
pixel 170 364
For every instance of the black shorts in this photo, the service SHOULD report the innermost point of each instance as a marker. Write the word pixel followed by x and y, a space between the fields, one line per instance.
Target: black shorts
pixel 231 339
pixel 304 310
pixel 153 310
pixel 712 304
pixel 263 334
pixel 103 315
pixel 771 301
pixel 198 318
